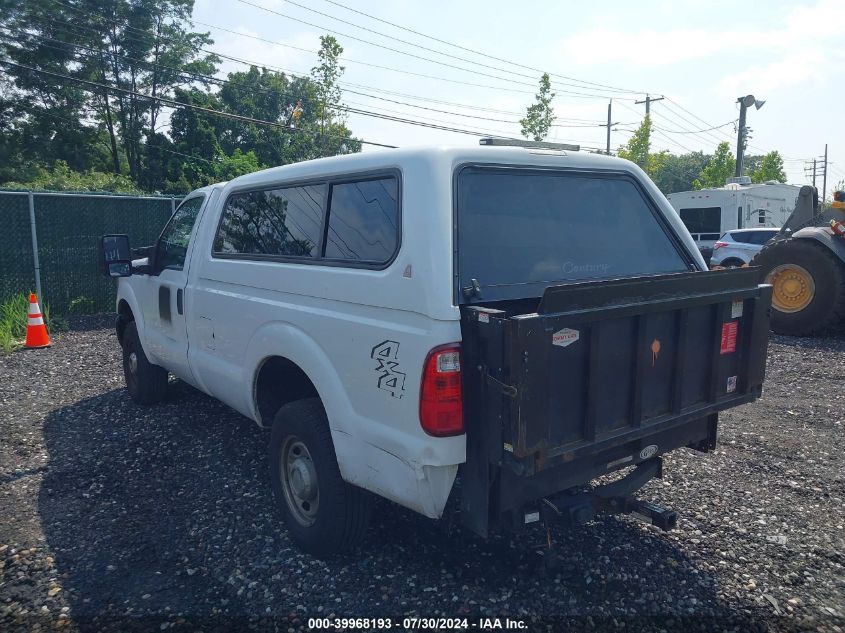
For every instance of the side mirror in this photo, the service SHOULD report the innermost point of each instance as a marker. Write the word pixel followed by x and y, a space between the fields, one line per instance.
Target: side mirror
pixel 115 256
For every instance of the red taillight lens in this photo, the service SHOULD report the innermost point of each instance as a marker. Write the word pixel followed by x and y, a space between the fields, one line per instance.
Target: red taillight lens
pixel 441 400
pixel 719 245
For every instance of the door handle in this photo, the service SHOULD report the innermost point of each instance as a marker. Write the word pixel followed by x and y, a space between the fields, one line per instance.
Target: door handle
pixel 179 301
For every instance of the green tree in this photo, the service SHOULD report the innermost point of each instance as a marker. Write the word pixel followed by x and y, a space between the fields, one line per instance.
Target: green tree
pixel 678 172
pixel 771 168
pixel 539 115
pixel 44 119
pixel 638 149
pixel 718 170
pixel 195 142
pixel 238 164
pixel 326 76
pixel 144 47
pixel 638 146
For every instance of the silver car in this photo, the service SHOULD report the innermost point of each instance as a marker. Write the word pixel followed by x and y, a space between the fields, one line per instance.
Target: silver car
pixel 738 247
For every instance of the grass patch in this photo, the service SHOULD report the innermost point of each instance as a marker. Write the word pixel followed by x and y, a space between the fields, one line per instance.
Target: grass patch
pixel 13 316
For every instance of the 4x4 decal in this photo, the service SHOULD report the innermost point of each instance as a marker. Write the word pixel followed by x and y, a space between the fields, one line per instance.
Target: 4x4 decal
pixel 390 378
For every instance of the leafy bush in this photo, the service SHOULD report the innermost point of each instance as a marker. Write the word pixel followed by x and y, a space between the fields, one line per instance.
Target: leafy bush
pixel 81 305
pixel 60 177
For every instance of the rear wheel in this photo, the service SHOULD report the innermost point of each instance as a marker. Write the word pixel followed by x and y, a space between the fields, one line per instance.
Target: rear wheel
pixel 324 514
pixel 146 383
pixel 808 286
pixel 732 263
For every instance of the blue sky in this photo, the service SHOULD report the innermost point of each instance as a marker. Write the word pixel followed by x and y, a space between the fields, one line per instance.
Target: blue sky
pixel 700 55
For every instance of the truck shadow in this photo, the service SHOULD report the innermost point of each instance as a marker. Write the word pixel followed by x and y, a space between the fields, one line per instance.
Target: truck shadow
pixel 166 512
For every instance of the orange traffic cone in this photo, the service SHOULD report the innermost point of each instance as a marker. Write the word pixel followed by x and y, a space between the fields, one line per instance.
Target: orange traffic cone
pixel 36 331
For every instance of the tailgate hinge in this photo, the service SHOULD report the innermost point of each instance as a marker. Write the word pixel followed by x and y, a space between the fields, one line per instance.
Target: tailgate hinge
pixel 508 390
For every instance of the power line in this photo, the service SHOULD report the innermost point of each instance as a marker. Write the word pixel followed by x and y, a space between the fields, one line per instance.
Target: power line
pixel 408 43
pixel 179 104
pixel 194 77
pixel 475 52
pixel 413 55
pixel 683 122
pixel 207 78
pixel 678 105
pixel 391 69
pixel 715 127
pixel 219 81
pixel 409 72
pixel 302 74
pixel 348 60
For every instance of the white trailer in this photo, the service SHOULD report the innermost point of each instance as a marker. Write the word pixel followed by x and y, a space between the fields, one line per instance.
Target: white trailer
pixel 708 213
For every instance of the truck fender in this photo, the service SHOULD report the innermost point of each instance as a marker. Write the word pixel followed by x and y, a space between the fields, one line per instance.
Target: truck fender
pixel 370 455
pixel 834 244
pixel 286 340
pixel 126 293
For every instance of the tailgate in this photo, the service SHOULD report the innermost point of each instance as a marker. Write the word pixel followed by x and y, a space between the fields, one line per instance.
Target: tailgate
pixel 603 364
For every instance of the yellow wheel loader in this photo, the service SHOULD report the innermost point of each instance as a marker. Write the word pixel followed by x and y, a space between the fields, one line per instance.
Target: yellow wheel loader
pixel 805 264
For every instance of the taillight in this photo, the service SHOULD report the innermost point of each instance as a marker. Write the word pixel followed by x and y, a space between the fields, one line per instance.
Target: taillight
pixel 441 401
pixel 719 245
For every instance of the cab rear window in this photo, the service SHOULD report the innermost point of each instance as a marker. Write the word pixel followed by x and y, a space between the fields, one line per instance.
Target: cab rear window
pixel 520 230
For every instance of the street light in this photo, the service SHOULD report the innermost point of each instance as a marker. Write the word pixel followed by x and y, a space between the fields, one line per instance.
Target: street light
pixel 744 103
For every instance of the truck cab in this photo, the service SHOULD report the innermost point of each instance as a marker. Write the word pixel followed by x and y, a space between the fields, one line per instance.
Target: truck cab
pixel 398 319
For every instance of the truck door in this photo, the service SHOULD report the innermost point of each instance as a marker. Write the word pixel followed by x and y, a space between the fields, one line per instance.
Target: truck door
pixel 164 300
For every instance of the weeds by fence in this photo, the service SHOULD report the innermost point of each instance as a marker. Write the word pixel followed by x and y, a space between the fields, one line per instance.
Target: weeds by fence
pixel 13 318
pixel 59 233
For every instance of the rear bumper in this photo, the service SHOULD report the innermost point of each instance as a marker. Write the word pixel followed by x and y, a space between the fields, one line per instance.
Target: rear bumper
pixel 517 496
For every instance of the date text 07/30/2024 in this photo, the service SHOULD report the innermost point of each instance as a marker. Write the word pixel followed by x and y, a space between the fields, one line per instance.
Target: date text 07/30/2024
pixel 416 623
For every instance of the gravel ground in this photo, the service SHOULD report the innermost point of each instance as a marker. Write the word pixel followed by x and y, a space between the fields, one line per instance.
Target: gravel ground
pixel 118 517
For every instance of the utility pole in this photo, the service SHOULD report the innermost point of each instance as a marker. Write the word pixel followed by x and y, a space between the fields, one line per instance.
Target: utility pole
pixel 824 176
pixel 647 101
pixel 740 138
pixel 608 125
pixel 744 103
pixel 814 173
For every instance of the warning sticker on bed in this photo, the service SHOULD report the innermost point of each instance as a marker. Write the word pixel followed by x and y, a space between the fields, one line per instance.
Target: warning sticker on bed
pixel 565 337
pixel 483 317
pixel 736 308
pixel 731 384
pixel 729 332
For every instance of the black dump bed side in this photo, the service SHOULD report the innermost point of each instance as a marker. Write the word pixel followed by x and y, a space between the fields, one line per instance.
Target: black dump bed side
pixel 601 371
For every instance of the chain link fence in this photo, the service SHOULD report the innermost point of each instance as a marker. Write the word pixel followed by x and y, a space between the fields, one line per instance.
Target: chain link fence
pixel 52 240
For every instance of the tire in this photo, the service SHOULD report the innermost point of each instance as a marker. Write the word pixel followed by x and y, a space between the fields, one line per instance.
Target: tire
pixel 324 514
pixel 146 383
pixel 826 307
pixel 731 263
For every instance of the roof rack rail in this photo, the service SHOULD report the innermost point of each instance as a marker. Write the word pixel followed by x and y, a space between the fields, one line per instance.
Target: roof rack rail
pixel 514 142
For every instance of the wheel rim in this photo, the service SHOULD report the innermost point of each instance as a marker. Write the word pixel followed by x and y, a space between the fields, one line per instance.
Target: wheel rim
pixel 130 369
pixel 793 287
pixel 299 481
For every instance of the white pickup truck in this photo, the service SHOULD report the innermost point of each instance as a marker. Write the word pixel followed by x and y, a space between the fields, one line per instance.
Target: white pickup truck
pixel 528 318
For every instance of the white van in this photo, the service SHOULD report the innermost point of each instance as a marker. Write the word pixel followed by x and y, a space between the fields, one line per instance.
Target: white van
pixel 378 313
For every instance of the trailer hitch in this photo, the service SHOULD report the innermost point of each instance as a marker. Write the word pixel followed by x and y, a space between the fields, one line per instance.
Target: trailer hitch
pixel 572 509
pixel 656 515
pixel 616 497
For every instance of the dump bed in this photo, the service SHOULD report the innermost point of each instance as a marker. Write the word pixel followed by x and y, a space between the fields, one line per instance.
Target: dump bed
pixel 601 376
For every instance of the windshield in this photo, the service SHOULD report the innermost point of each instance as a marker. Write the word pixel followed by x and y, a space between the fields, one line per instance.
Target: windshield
pixel 520 230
